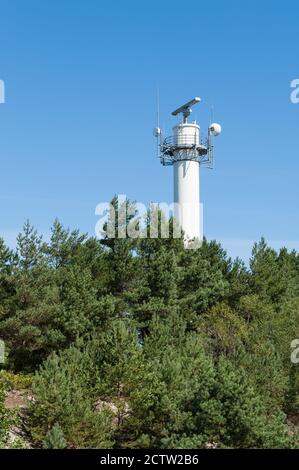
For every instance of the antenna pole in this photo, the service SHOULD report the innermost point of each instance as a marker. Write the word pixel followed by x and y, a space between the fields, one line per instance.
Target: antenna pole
pixel 212 114
pixel 158 107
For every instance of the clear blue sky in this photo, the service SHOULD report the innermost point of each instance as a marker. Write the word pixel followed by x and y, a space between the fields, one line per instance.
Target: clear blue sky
pixel 81 79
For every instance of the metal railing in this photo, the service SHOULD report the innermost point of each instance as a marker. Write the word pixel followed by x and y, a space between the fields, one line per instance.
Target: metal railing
pixel 177 148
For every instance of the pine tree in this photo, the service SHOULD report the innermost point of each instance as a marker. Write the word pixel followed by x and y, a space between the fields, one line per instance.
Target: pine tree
pixel 70 400
pixel 55 438
pixel 64 245
pixel 141 343
pixel 202 283
pixel 29 247
pixel 274 276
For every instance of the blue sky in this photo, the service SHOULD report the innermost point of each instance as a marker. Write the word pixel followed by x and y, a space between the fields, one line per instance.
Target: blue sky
pixel 81 80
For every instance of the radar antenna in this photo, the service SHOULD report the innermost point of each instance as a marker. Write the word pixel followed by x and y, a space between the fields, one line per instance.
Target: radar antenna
pixel 186 108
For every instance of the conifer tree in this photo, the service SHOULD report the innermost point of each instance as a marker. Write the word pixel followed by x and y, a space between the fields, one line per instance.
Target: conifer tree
pixel 29 247
pixel 55 438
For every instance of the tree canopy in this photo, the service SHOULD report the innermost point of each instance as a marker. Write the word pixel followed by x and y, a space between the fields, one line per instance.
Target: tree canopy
pixel 137 343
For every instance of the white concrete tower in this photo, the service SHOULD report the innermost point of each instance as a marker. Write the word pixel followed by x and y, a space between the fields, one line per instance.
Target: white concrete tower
pixel 186 181
pixel 186 151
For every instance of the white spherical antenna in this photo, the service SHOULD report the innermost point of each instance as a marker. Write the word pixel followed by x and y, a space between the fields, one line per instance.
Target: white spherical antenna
pixel 215 129
pixel 157 131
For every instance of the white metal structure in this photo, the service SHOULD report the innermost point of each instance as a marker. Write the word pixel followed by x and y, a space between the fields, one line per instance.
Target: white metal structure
pixel 187 151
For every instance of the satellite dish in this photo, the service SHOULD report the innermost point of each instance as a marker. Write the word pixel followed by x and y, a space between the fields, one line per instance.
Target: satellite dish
pixel 157 132
pixel 215 129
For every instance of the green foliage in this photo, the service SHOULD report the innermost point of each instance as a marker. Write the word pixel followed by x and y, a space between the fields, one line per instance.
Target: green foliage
pixel 6 418
pixel 246 420
pixel 16 381
pixel 141 343
pixel 64 245
pixel 29 248
pixel 202 282
pixel 274 276
pixel 224 330
pixel 163 394
pixel 63 394
pixel 55 438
